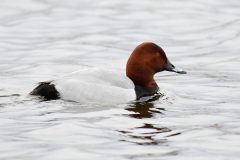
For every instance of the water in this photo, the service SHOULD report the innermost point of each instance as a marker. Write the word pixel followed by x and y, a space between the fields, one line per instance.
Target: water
pixel 198 118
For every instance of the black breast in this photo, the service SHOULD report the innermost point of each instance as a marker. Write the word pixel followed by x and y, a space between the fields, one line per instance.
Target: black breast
pixel 145 92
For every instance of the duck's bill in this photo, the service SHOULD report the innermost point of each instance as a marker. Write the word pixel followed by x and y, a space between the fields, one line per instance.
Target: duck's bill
pixel 180 71
pixel 170 67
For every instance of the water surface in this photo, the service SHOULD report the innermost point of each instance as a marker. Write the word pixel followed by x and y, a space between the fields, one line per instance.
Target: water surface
pixel 197 118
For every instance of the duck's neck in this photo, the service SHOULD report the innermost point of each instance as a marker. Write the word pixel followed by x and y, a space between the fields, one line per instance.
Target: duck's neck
pixel 145 85
pixel 143 79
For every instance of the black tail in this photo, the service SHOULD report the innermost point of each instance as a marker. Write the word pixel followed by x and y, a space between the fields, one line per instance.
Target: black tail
pixel 46 90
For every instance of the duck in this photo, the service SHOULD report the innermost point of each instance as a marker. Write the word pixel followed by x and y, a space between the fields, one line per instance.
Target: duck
pixel 103 85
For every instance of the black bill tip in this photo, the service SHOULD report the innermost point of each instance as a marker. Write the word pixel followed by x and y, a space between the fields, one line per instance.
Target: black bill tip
pixel 170 67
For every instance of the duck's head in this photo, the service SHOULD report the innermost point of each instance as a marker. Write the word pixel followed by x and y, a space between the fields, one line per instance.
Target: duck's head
pixel 146 60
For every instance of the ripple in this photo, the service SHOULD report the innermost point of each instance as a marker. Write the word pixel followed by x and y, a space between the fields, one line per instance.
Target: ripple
pixel 196 118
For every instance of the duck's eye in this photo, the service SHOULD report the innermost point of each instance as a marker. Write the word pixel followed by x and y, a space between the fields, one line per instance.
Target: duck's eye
pixel 173 66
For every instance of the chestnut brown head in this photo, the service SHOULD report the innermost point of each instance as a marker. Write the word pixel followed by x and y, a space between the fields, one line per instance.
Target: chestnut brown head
pixel 146 60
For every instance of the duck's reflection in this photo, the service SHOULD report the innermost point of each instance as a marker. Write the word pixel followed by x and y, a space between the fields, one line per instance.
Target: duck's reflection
pixel 146 133
pixel 146 138
pixel 144 109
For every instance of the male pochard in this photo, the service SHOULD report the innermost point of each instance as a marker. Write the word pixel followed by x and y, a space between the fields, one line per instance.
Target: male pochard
pixel 108 86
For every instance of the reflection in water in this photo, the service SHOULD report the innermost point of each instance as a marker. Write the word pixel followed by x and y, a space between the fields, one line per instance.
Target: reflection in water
pixel 146 133
pixel 147 137
pixel 144 109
